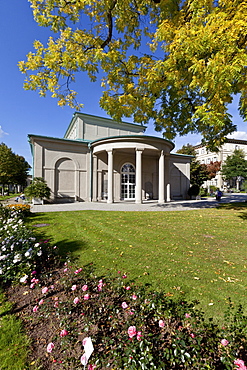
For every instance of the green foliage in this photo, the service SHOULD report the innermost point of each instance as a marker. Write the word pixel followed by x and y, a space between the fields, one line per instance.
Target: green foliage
pixel 14 344
pixel 13 168
pixel 20 252
pixel 190 56
pixel 198 172
pixel 235 165
pixel 38 189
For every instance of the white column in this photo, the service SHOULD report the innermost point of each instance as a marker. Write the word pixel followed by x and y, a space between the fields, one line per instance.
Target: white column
pixel 167 178
pixel 110 177
pixel 138 190
pixel 161 197
pixel 168 192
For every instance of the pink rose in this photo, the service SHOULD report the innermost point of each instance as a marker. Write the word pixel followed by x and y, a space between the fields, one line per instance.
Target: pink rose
pixel 45 290
pixel 240 364
pixel 56 304
pixel 34 280
pixel 224 342
pixel 192 335
pixel 134 297
pixel 124 305
pixel 124 276
pixel 76 300
pixel 139 335
pixel 86 297
pixel 73 287
pixel 35 309
pixel 91 367
pixel 131 313
pixel 50 347
pixel 41 302
pixel 127 288
pixel 187 315
pixel 85 288
pixel 132 331
pixel 77 271
pixel 161 324
pixel 66 269
pixel 100 285
pixel 32 285
pixel 63 333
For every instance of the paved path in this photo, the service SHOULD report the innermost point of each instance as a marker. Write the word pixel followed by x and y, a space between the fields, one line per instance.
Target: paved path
pixel 182 205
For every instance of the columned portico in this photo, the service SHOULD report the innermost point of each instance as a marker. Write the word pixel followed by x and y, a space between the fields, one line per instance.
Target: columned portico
pixel 138 194
pixel 134 166
pixel 110 176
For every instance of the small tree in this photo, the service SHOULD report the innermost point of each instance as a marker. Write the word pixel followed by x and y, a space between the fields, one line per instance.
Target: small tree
pixel 38 189
pixel 235 166
pixel 198 171
pixel 21 170
pixel 213 168
pixel 7 165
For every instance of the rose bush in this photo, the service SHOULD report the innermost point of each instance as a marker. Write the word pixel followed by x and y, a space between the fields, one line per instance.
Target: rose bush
pixel 151 331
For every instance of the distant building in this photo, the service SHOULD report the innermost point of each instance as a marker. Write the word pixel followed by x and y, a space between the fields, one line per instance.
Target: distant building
pixel 102 159
pixel 227 149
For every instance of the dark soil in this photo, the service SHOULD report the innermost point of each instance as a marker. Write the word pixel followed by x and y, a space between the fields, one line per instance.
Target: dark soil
pixel 42 328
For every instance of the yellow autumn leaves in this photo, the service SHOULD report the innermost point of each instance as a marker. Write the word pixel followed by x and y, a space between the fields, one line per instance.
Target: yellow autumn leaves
pixel 192 53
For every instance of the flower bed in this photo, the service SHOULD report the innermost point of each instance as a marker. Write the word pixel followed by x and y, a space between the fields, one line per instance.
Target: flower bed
pixel 129 327
pixel 20 251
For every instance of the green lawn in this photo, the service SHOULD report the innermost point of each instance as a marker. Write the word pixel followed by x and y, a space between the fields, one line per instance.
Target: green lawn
pixel 14 345
pixel 197 254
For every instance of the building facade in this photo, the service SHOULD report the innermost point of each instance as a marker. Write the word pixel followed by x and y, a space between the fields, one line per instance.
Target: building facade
pixel 100 159
pixel 227 149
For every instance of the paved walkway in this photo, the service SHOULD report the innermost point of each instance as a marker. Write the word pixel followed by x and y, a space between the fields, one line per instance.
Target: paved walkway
pixel 151 205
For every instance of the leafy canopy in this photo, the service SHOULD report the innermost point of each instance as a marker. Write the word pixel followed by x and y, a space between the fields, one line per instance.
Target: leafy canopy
pixel 175 61
pixel 13 168
pixel 235 165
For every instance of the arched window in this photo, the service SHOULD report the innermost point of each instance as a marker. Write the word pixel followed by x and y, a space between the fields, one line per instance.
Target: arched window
pixel 128 179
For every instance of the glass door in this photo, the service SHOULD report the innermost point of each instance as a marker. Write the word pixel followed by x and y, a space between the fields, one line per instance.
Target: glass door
pixel 128 179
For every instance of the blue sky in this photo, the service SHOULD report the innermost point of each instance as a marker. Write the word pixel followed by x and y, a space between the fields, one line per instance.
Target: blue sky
pixel 24 112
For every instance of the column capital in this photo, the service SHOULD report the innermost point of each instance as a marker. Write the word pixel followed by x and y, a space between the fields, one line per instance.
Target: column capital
pixel 139 149
pixel 110 150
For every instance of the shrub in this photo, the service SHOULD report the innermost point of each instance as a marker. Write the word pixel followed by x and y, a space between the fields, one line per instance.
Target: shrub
pixel 203 192
pixel 20 252
pixel 21 208
pixel 193 190
pixel 38 189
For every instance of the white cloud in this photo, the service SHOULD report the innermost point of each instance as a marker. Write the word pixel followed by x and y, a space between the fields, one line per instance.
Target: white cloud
pixel 2 133
pixel 239 135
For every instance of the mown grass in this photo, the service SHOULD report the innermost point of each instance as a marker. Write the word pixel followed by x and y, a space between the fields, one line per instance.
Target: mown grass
pixel 14 345
pixel 196 254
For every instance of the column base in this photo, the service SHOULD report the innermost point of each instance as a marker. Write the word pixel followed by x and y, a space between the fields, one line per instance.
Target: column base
pixel 138 202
